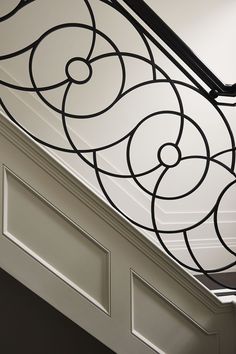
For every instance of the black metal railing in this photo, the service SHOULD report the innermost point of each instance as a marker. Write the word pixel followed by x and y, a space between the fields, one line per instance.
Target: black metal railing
pixel 15 9
pixel 136 110
pixel 217 87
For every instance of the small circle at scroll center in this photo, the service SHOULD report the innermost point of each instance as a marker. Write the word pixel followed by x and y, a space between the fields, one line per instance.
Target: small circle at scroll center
pixel 78 70
pixel 169 155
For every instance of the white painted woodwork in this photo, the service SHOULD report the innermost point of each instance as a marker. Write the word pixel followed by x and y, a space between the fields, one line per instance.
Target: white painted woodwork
pixel 68 246
pixel 49 66
pixel 58 235
pixel 158 323
pixel 45 233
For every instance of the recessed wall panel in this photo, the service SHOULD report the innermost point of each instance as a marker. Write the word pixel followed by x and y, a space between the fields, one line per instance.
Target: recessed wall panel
pixel 55 241
pixel 162 326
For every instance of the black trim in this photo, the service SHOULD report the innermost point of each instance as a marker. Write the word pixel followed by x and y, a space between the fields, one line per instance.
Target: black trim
pixel 218 88
pixel 226 293
pixel 226 278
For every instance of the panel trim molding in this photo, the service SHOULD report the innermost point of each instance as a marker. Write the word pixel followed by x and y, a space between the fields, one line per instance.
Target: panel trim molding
pixel 7 172
pixel 69 180
pixel 134 274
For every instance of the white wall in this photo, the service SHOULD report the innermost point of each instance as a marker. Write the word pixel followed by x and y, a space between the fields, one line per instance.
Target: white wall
pixel 74 251
pixel 49 61
pixel 208 27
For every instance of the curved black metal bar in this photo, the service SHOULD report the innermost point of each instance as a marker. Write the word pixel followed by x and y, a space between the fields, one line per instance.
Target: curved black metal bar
pixel 19 6
pixel 158 80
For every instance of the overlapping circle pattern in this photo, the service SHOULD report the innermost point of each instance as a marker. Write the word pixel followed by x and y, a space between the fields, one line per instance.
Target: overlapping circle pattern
pixel 162 157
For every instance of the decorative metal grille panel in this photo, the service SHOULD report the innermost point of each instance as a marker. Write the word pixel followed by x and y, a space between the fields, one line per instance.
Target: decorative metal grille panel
pixel 120 96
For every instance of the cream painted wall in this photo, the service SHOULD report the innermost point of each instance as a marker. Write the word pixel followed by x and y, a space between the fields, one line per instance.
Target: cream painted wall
pixel 74 251
pixel 208 27
pixel 50 59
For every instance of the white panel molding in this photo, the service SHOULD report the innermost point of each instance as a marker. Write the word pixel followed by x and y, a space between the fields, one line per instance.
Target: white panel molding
pixel 199 243
pixel 127 285
pixel 36 170
pixel 70 181
pixel 161 297
pixel 134 274
pixel 106 306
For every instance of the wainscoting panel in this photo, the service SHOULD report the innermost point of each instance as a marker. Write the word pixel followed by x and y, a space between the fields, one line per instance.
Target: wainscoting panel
pixel 71 248
pixel 42 231
pixel 153 323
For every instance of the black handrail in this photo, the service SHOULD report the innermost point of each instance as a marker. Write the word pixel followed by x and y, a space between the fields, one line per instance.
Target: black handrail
pixel 179 47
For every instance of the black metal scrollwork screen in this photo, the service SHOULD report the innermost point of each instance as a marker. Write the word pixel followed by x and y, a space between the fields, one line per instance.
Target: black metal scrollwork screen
pixel 120 97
